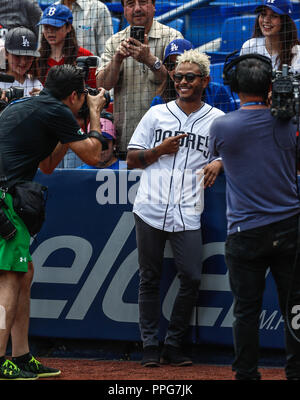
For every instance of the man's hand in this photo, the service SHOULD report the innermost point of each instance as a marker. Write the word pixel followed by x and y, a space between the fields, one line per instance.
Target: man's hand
pixel 97 103
pixel 122 52
pixel 171 144
pixel 144 158
pixel 35 92
pixel 140 51
pixel 211 171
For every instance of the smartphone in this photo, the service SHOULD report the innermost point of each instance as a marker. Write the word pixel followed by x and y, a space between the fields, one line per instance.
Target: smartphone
pixel 137 32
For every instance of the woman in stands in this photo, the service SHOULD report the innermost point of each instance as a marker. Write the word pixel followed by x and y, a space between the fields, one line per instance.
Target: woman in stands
pixel 59 44
pixel 275 35
pixel 21 60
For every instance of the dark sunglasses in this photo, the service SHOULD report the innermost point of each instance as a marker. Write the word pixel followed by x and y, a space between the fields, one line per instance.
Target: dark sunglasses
pixel 170 65
pixel 189 77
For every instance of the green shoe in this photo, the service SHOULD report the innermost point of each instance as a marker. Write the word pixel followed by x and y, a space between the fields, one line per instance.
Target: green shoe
pixel 30 364
pixel 9 371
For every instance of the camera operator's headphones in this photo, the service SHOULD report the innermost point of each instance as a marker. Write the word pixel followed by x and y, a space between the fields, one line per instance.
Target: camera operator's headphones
pixel 229 69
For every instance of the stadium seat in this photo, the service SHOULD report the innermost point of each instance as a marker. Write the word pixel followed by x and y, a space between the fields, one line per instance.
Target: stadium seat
pixel 177 24
pixel 216 72
pixel 216 77
pixel 116 24
pixel 219 95
pixel 235 31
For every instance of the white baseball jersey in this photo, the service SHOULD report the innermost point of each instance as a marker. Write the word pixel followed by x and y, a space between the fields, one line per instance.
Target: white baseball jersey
pixel 170 195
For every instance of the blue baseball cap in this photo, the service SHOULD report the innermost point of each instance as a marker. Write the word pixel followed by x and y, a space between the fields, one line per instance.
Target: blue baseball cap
pixel 280 7
pixel 56 15
pixel 177 46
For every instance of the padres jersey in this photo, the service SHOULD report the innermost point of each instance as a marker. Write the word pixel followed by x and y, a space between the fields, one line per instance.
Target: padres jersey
pixel 170 195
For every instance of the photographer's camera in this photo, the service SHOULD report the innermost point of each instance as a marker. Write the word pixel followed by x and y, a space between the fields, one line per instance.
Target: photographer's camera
pixel 85 63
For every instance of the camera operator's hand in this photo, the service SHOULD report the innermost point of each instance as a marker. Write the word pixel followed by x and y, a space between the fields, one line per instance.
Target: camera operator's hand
pixel 97 102
pixel 96 105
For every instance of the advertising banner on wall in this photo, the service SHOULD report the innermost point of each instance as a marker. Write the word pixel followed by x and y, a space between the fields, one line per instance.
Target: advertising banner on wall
pixel 86 265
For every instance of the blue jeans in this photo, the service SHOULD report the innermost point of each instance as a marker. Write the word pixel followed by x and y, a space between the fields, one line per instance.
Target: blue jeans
pixel 187 250
pixel 248 255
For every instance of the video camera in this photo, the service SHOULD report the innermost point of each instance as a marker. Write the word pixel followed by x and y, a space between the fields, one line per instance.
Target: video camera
pixel 285 93
pixel 86 63
pixel 12 93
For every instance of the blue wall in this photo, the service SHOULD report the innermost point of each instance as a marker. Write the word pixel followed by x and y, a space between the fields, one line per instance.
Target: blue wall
pixel 86 270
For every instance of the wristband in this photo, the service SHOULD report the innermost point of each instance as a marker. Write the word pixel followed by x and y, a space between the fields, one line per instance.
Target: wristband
pixel 100 137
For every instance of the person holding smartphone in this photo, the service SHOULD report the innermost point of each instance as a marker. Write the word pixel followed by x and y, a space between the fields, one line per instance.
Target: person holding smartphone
pixel 134 69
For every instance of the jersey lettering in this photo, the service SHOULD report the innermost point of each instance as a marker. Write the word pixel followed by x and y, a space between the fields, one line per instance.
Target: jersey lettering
pixel 192 141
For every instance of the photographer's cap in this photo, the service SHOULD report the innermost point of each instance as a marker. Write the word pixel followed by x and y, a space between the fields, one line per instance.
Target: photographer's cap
pixel 177 46
pixel 280 7
pixel 56 15
pixel 21 41
pixel 108 129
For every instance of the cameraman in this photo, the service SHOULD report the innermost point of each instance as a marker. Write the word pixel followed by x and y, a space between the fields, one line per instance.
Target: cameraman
pixel 36 132
pixel 259 157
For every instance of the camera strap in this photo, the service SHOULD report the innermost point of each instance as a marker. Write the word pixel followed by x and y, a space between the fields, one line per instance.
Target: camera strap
pixel 3 180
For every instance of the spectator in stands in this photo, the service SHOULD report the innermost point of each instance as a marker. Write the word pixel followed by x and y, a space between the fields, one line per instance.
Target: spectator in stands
pixel 134 69
pixel 275 35
pixel 108 157
pixel 59 44
pixel 15 13
pixel 92 23
pixel 21 62
pixel 214 94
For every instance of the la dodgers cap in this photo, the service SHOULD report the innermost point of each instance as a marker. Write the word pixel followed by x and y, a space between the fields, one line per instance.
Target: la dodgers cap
pixel 280 7
pixel 177 46
pixel 56 15
pixel 21 41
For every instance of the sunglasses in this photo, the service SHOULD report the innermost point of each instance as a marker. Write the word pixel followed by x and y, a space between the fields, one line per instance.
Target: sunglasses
pixel 170 66
pixel 189 77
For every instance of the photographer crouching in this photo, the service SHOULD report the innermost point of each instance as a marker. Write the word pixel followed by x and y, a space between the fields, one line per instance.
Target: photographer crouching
pixel 259 153
pixel 35 132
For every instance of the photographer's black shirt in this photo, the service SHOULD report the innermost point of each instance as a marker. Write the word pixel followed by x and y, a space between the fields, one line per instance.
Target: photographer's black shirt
pixel 30 129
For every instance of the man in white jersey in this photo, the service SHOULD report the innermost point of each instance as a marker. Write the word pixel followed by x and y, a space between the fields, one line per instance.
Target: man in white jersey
pixel 171 145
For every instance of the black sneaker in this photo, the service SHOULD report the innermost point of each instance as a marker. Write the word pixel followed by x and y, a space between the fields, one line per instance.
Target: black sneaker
pixel 150 356
pixel 10 371
pixel 174 356
pixel 30 364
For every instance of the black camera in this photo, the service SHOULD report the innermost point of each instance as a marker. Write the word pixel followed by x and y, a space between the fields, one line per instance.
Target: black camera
pixel 7 229
pixel 85 63
pixel 285 93
pixel 13 93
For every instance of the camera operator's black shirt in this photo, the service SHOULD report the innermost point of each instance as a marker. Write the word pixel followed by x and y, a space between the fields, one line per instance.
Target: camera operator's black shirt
pixel 30 129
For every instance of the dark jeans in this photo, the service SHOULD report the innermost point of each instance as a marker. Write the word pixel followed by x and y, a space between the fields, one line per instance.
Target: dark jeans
pixel 248 256
pixel 186 248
